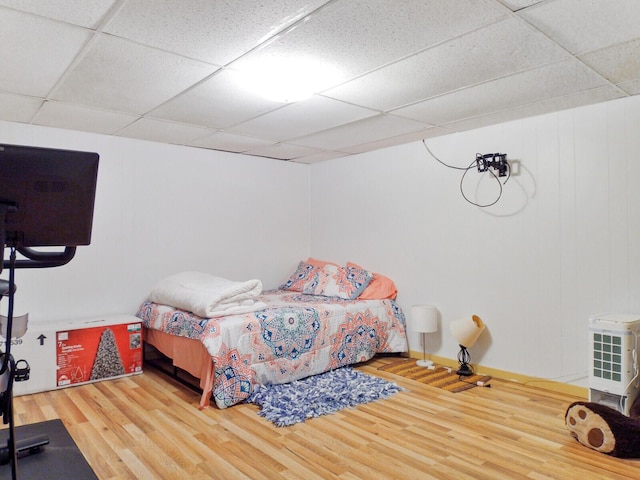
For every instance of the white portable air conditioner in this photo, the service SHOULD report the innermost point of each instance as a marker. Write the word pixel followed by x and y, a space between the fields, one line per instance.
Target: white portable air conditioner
pixel 614 374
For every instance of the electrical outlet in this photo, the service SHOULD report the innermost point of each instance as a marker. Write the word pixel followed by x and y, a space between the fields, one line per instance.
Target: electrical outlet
pixel 514 168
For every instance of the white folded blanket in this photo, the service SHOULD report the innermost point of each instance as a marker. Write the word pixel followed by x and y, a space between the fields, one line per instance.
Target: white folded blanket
pixel 208 296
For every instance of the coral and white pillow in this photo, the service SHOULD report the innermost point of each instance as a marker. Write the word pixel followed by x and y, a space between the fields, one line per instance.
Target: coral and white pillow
pixel 381 287
pixel 306 279
pixel 344 282
pixel 328 280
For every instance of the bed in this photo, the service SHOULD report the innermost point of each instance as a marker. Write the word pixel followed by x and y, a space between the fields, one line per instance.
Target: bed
pixel 286 335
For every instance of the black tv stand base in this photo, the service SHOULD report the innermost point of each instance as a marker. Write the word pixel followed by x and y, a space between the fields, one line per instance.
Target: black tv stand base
pixel 24 447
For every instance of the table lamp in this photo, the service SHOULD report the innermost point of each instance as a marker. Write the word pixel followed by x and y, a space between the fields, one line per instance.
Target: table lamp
pixel 466 331
pixel 424 319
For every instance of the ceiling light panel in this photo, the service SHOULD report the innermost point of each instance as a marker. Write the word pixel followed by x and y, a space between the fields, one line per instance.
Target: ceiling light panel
pixel 286 79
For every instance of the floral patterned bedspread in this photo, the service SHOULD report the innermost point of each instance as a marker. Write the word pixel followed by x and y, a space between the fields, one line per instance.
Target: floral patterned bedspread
pixel 297 335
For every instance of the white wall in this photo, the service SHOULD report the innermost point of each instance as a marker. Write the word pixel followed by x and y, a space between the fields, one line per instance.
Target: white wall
pixel 162 209
pixel 562 244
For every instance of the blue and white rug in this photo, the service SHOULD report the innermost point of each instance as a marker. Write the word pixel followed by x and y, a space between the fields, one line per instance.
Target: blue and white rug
pixel 318 395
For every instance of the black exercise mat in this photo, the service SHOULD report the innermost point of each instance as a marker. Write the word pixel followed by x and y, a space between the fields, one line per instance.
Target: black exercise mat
pixel 59 459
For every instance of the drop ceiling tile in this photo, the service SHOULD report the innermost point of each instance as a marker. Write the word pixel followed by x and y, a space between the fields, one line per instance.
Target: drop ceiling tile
pixel 124 76
pixel 165 132
pixel 213 31
pixel 549 81
pixel 218 102
pixel 491 52
pixel 319 157
pixel 230 142
pixel 588 97
pixel 474 58
pixel 632 87
pixel 516 5
pixel 361 132
pixel 18 108
pixel 355 36
pixel 302 118
pixel 399 140
pixel 78 117
pixel 283 151
pixel 584 25
pixel 34 52
pixel 86 14
pixel 619 63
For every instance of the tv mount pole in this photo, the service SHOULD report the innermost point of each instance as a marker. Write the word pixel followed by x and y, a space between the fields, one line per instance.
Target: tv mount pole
pixel 46 200
pixel 7 368
pixel 34 259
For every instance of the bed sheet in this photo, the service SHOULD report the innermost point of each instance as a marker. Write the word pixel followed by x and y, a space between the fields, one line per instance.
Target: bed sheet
pixel 188 355
pixel 296 336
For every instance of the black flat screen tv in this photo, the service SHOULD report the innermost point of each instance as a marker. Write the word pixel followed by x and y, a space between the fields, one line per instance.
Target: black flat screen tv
pixel 47 196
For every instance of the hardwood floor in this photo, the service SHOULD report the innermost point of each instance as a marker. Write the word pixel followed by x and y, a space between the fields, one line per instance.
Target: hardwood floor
pixel 149 427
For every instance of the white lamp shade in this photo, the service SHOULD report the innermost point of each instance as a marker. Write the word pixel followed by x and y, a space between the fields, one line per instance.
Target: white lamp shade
pixel 467 330
pixel 424 318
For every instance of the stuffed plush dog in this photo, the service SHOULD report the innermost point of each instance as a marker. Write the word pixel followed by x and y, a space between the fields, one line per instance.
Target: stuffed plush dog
pixel 604 429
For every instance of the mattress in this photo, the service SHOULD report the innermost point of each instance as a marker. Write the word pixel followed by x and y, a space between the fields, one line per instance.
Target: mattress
pixel 296 336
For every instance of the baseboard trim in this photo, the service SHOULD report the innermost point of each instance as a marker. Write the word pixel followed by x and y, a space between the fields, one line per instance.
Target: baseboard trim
pixel 547 384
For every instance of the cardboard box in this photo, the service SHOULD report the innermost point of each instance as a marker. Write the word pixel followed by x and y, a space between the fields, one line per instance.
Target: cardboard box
pixel 64 354
pixel 35 350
